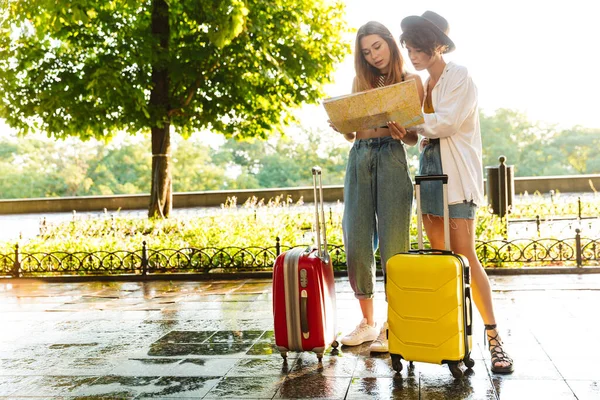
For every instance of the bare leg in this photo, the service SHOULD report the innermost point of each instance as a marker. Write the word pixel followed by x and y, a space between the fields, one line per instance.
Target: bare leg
pixel 462 241
pixel 366 306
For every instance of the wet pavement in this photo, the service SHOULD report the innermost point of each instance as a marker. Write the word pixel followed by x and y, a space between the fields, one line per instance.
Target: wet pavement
pixel 209 340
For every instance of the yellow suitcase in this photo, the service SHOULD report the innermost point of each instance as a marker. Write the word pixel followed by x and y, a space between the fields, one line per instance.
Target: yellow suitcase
pixel 429 301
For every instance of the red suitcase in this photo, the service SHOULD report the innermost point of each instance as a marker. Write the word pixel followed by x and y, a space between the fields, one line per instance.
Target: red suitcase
pixel 304 292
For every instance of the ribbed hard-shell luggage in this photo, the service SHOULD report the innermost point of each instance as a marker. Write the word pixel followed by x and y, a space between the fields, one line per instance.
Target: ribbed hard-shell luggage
pixel 304 292
pixel 429 300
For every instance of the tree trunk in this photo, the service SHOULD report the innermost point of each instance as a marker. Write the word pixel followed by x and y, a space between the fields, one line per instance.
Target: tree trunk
pixel 161 198
pixel 161 192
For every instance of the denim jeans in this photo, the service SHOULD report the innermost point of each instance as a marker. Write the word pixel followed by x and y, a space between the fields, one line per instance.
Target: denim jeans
pixel 378 196
pixel 432 201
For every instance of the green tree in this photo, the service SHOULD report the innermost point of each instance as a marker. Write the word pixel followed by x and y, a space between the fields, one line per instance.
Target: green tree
pixel 122 168
pixel 286 160
pixel 194 167
pixel 578 149
pixel 237 67
pixel 41 167
pixel 510 133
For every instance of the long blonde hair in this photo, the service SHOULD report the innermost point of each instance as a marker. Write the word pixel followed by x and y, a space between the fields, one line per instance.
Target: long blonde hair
pixel 367 76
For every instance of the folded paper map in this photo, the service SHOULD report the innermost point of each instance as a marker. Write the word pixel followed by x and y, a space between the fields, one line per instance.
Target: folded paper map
pixel 374 108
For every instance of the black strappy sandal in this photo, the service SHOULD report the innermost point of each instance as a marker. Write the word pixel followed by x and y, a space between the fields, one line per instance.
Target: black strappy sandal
pixel 497 352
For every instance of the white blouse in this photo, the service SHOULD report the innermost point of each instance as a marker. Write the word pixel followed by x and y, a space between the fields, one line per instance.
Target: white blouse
pixel 455 122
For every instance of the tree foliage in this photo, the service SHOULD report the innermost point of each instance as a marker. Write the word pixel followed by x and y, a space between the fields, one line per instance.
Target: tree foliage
pixel 238 67
pixel 84 68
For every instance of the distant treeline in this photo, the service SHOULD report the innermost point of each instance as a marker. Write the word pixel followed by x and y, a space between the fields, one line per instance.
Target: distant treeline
pixel 40 167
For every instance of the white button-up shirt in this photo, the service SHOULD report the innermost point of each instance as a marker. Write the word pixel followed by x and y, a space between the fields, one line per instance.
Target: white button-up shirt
pixel 455 122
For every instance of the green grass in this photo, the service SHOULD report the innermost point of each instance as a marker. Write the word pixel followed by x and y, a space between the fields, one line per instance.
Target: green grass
pixel 255 223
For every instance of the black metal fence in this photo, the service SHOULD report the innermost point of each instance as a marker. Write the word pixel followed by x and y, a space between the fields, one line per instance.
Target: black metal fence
pixel 575 252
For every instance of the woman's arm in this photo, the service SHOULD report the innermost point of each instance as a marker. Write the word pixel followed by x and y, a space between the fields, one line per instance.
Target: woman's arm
pixel 420 90
pixel 398 132
pixel 348 136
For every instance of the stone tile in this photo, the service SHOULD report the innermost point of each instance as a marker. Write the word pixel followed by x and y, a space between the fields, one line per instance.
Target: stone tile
pixel 13 384
pixel 297 386
pixel 148 387
pixel 578 368
pixel 516 389
pixel 264 349
pixel 447 388
pixel 261 387
pixel 330 366
pixel 177 349
pixel 378 366
pixel 116 349
pixel 396 387
pixel 436 373
pixel 187 350
pixel 530 370
pixel 205 366
pixel 241 337
pixel 261 367
pixel 86 366
pixel 206 349
pixel 186 337
pixel 170 387
pixel 146 366
pixel 27 366
pixel 585 390
pixel 46 386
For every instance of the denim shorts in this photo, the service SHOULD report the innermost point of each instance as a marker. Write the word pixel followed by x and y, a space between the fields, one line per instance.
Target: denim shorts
pixel 432 201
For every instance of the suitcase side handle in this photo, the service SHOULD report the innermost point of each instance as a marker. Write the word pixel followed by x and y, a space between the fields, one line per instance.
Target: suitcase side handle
pixel 320 219
pixel 304 314
pixel 444 180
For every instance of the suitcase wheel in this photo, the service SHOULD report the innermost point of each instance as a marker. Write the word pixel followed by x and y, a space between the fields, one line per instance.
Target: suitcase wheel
pixel 455 370
pixel 469 363
pixel 396 362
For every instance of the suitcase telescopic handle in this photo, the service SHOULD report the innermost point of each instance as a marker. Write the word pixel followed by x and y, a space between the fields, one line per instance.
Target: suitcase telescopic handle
pixel 320 219
pixel 421 178
pixel 444 180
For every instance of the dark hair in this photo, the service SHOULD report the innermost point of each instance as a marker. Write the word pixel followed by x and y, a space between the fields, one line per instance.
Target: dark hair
pixel 422 38
pixel 367 75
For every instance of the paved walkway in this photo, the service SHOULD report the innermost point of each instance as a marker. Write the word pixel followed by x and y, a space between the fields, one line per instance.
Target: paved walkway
pixel 214 340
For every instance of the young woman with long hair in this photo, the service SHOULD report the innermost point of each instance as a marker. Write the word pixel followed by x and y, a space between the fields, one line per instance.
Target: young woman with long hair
pixel 378 191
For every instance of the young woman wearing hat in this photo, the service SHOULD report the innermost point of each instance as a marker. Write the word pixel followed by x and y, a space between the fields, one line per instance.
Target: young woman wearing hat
pixel 452 146
pixel 378 190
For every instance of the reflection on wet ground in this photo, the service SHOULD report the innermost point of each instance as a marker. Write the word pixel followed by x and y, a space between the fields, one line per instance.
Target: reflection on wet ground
pixel 212 340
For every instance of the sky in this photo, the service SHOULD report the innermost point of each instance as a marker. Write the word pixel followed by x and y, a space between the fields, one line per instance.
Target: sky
pixel 538 57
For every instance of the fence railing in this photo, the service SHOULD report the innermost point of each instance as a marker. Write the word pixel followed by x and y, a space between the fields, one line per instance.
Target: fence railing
pixel 575 252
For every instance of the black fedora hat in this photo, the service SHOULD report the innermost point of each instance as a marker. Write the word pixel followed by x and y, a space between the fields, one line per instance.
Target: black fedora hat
pixel 435 22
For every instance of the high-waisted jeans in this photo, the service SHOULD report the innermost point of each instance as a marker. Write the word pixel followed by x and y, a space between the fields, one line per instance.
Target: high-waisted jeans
pixel 378 197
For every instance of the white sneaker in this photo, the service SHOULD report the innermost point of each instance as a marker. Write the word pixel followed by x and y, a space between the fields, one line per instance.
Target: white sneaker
pixel 380 345
pixel 362 333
